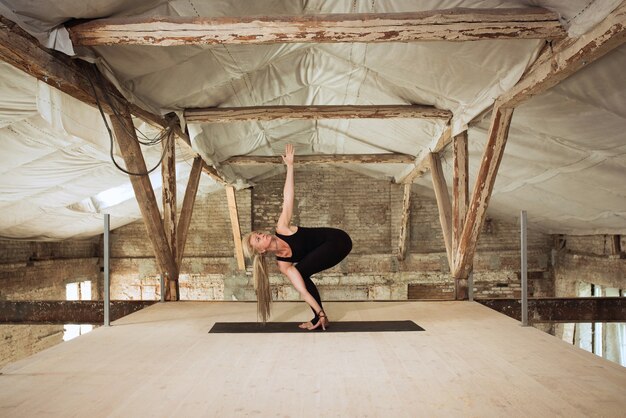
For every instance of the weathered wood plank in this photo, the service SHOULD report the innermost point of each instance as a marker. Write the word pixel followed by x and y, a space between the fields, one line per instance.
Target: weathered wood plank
pixel 477 210
pixel 234 221
pixel 187 210
pixel 323 159
pixel 460 188
pixel 433 25
pixel 588 309
pixel 267 113
pixel 567 57
pixel 443 202
pixel 404 222
pixel 65 312
pixel 168 194
pixel 131 152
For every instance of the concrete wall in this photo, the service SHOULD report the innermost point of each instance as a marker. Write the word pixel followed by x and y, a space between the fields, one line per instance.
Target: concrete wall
pixel 40 271
pixel 370 210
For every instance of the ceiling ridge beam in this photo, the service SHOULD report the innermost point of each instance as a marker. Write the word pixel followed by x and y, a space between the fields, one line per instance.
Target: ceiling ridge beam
pixel 322 159
pixel 267 113
pixel 457 24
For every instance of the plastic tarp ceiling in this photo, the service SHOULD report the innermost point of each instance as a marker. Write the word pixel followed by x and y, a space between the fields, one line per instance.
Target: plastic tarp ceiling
pixel 564 162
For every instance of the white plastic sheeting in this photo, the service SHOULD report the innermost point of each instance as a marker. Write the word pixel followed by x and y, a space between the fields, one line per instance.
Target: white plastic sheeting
pixel 563 162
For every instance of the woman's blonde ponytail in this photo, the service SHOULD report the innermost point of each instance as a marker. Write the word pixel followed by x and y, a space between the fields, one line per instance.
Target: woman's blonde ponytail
pixel 261 278
pixel 262 286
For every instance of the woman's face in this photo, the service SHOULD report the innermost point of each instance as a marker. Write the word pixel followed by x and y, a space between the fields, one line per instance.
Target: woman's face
pixel 260 241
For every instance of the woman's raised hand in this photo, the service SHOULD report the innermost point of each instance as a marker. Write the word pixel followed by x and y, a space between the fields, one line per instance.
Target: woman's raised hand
pixel 288 157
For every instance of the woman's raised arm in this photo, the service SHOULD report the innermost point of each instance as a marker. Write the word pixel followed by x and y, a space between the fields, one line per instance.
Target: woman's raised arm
pixel 284 221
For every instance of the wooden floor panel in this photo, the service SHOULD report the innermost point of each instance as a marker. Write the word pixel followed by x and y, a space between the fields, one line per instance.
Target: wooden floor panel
pixel 161 361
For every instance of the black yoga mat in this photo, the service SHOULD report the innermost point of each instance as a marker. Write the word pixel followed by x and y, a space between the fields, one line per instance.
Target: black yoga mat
pixel 341 326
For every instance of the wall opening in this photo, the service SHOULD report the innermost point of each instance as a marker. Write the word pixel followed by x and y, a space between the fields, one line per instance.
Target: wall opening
pixel 77 291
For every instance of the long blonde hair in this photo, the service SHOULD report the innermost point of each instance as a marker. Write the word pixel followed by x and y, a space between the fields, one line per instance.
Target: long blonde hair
pixel 261 277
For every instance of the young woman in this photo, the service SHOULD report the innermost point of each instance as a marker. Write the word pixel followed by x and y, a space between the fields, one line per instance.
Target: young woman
pixel 300 252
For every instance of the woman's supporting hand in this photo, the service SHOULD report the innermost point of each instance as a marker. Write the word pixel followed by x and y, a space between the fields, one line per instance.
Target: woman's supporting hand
pixel 289 153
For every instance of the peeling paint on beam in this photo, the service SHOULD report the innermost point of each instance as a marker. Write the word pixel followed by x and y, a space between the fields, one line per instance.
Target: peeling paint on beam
pixel 64 312
pixel 268 113
pixel 590 309
pixel 323 159
pixel 435 25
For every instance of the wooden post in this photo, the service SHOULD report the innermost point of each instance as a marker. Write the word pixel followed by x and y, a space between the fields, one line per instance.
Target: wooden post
pixel 234 220
pixel 477 211
pixel 460 193
pixel 188 202
pixel 168 191
pixel 404 223
pixel 131 152
pixel 443 202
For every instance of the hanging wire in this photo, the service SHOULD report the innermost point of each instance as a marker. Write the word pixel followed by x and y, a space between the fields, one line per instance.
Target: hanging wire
pixel 164 134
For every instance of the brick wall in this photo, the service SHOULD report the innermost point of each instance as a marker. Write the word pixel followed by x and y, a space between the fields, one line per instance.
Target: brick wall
pixel 368 209
pixel 40 271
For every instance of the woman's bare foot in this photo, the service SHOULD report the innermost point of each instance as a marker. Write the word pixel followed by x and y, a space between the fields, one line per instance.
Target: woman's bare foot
pixel 305 325
pixel 323 322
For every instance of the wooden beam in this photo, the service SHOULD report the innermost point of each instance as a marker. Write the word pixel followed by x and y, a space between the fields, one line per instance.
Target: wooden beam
pixel 404 222
pixel 188 202
pixel 460 188
pixel 214 174
pixel 323 159
pixel 433 25
pixel 266 113
pixel 131 152
pixel 443 202
pixel 567 57
pixel 588 309
pixel 421 166
pixel 37 312
pixel 168 192
pixel 460 196
pixel 234 221
pixel 477 210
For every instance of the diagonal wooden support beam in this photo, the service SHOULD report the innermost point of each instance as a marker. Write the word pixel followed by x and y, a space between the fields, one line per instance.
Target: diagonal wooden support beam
pixel 234 221
pixel 460 196
pixel 422 165
pixel 73 77
pixel 168 191
pixel 433 25
pixel 477 210
pixel 443 202
pixel 404 222
pixel 460 188
pixel 185 214
pixel 266 113
pixel 131 152
pixel 567 57
pixel 323 159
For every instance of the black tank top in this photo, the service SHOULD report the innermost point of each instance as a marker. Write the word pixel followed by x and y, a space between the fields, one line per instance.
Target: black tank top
pixel 301 243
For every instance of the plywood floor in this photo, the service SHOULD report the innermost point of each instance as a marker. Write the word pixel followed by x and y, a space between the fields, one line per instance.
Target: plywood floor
pixel 161 361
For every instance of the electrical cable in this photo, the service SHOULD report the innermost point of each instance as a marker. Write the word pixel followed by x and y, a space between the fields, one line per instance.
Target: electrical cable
pixel 165 133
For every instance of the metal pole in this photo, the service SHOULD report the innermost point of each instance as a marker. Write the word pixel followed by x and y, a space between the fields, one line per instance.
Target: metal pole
pixel 524 268
pixel 470 286
pixel 107 282
pixel 162 278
